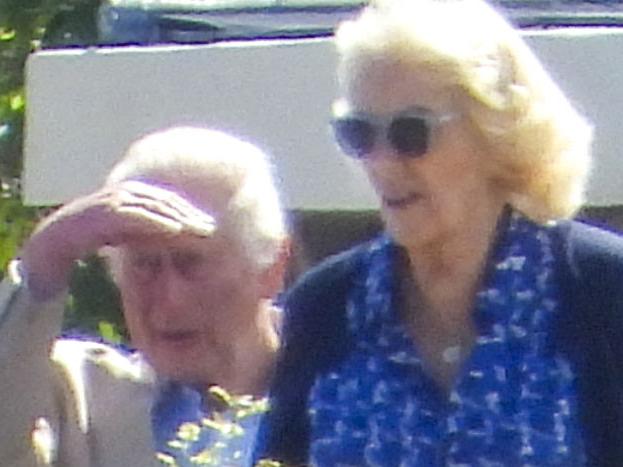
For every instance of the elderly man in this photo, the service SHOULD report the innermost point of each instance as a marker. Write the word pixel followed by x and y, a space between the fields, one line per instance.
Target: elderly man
pixel 192 226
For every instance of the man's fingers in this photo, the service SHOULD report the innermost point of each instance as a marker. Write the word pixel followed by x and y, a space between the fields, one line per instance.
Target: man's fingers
pixel 163 207
pixel 158 221
pixel 196 223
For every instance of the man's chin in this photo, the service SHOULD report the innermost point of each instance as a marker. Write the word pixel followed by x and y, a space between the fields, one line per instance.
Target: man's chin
pixel 191 376
pixel 180 366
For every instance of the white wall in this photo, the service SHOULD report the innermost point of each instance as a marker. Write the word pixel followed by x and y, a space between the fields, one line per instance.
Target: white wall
pixel 85 106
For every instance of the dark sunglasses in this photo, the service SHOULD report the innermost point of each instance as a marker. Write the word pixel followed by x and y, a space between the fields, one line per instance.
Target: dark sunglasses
pixel 408 132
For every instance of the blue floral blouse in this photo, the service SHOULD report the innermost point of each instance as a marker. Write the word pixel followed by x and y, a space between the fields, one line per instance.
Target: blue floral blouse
pixel 176 404
pixel 513 403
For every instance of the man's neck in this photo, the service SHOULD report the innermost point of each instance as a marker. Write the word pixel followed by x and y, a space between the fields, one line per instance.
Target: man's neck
pixel 249 358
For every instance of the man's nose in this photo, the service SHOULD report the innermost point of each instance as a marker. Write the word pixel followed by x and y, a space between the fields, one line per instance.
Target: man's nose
pixel 172 291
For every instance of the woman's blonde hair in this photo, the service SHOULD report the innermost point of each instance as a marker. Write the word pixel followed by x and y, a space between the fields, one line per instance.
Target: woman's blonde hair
pixel 540 146
pixel 234 174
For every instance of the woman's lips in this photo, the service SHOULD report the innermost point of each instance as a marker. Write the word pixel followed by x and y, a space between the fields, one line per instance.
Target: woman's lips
pixel 178 337
pixel 402 202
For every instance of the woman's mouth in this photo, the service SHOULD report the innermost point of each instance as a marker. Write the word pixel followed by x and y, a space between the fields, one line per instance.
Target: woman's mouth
pixel 178 338
pixel 401 202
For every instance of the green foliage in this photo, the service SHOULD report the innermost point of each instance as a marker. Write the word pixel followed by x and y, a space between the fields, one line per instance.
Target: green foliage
pixel 94 306
pixel 16 222
pixel 26 26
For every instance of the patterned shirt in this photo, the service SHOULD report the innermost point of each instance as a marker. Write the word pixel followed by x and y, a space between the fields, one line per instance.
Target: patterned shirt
pixel 514 402
pixel 177 404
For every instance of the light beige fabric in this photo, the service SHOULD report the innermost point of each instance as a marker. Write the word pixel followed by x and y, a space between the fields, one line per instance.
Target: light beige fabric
pixel 65 402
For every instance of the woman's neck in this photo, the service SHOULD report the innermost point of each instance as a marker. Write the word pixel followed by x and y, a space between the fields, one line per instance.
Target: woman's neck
pixel 438 296
pixel 448 272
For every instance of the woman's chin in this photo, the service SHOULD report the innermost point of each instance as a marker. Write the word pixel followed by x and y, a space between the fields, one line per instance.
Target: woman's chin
pixel 410 231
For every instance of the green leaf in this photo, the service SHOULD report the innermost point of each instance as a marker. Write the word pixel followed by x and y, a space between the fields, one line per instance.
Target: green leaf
pixel 109 332
pixel 7 34
pixel 166 459
pixel 177 444
pixel 221 395
pixel 17 102
pixel 189 431
pixel 268 463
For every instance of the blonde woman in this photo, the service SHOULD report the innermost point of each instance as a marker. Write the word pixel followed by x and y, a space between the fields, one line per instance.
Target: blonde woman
pixel 482 329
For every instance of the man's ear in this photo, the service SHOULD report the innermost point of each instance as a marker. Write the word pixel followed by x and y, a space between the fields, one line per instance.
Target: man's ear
pixel 272 277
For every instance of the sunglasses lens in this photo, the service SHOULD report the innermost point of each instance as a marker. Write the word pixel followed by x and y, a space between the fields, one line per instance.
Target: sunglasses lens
pixel 409 136
pixel 355 136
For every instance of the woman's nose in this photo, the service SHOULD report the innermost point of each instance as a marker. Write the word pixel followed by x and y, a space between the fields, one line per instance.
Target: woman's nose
pixel 384 158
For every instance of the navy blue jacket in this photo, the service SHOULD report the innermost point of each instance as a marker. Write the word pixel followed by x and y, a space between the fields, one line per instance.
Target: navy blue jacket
pixel 590 332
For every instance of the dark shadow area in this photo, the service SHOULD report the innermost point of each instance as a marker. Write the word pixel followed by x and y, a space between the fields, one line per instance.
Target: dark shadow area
pixel 318 234
pixel 606 217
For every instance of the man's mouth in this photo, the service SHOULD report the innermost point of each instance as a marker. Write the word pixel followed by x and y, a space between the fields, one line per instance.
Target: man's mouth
pixel 401 202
